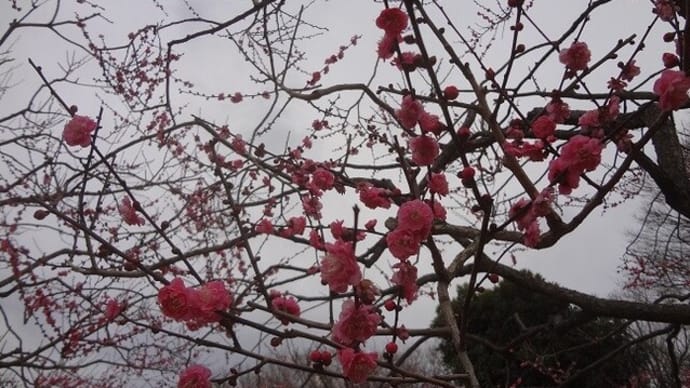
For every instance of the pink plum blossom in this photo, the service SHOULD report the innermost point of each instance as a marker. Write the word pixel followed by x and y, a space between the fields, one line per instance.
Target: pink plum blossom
pixel 526 215
pixel 357 366
pixel 557 110
pixel 403 243
pixel 430 123
pixel 339 268
pixel 177 301
pixel 129 213
pixel 78 131
pixel 416 216
pixel 630 71
pixel 392 20
pixel 409 113
pixel 672 89
pixel 581 153
pixel 386 46
pixel 438 184
pixel 373 197
pixel 665 9
pixel 295 226
pixel 286 304
pixel 438 209
pixel 322 179
pixel 543 127
pixel 406 278
pixel 113 308
pixel 576 57
pixel 211 297
pixel 195 376
pixel 264 226
pixel 424 149
pixel 356 323
pixel 534 151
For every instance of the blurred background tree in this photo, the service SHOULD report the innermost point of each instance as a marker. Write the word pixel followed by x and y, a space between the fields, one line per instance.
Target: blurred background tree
pixel 520 337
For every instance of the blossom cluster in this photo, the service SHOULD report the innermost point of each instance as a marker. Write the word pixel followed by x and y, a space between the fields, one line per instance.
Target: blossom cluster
pixel 414 222
pixel 286 304
pixel 393 22
pixel 581 153
pixel 527 213
pixel 374 197
pixel 412 112
pixel 129 212
pixel 357 322
pixel 414 226
pixel 195 307
pixel 358 319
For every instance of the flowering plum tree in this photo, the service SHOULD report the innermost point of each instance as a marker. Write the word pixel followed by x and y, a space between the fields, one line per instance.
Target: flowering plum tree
pixel 192 187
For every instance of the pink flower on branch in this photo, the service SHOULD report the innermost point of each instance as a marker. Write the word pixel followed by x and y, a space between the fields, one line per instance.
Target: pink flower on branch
pixel 414 226
pixel 322 179
pixel 557 110
pixel 672 89
pixel 386 46
pixel 356 323
pixel 576 57
pixel 665 9
pixel 392 20
pixel 430 123
pixel 78 131
pixel 534 151
pixel 438 209
pixel 406 278
pixel 195 376
pixel 373 197
pixel 177 301
pixel 339 268
pixel 295 227
pixel 129 213
pixel 312 206
pixel 630 71
pixel 113 308
pixel 417 217
pixel 410 112
pixel 424 149
pixel 405 61
pixel 403 243
pixel 544 127
pixel 265 226
pixel 438 184
pixel 196 307
pixel 211 297
pixel 580 154
pixel 357 366
pixel 526 215
pixel 287 305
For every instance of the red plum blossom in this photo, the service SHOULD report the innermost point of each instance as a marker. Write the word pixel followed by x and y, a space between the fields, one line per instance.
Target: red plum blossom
pixel 78 131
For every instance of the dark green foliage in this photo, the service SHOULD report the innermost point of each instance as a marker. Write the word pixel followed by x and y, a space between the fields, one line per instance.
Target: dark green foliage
pixel 539 341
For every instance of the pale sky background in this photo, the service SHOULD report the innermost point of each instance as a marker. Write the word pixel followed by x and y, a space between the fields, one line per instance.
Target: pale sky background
pixel 587 260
